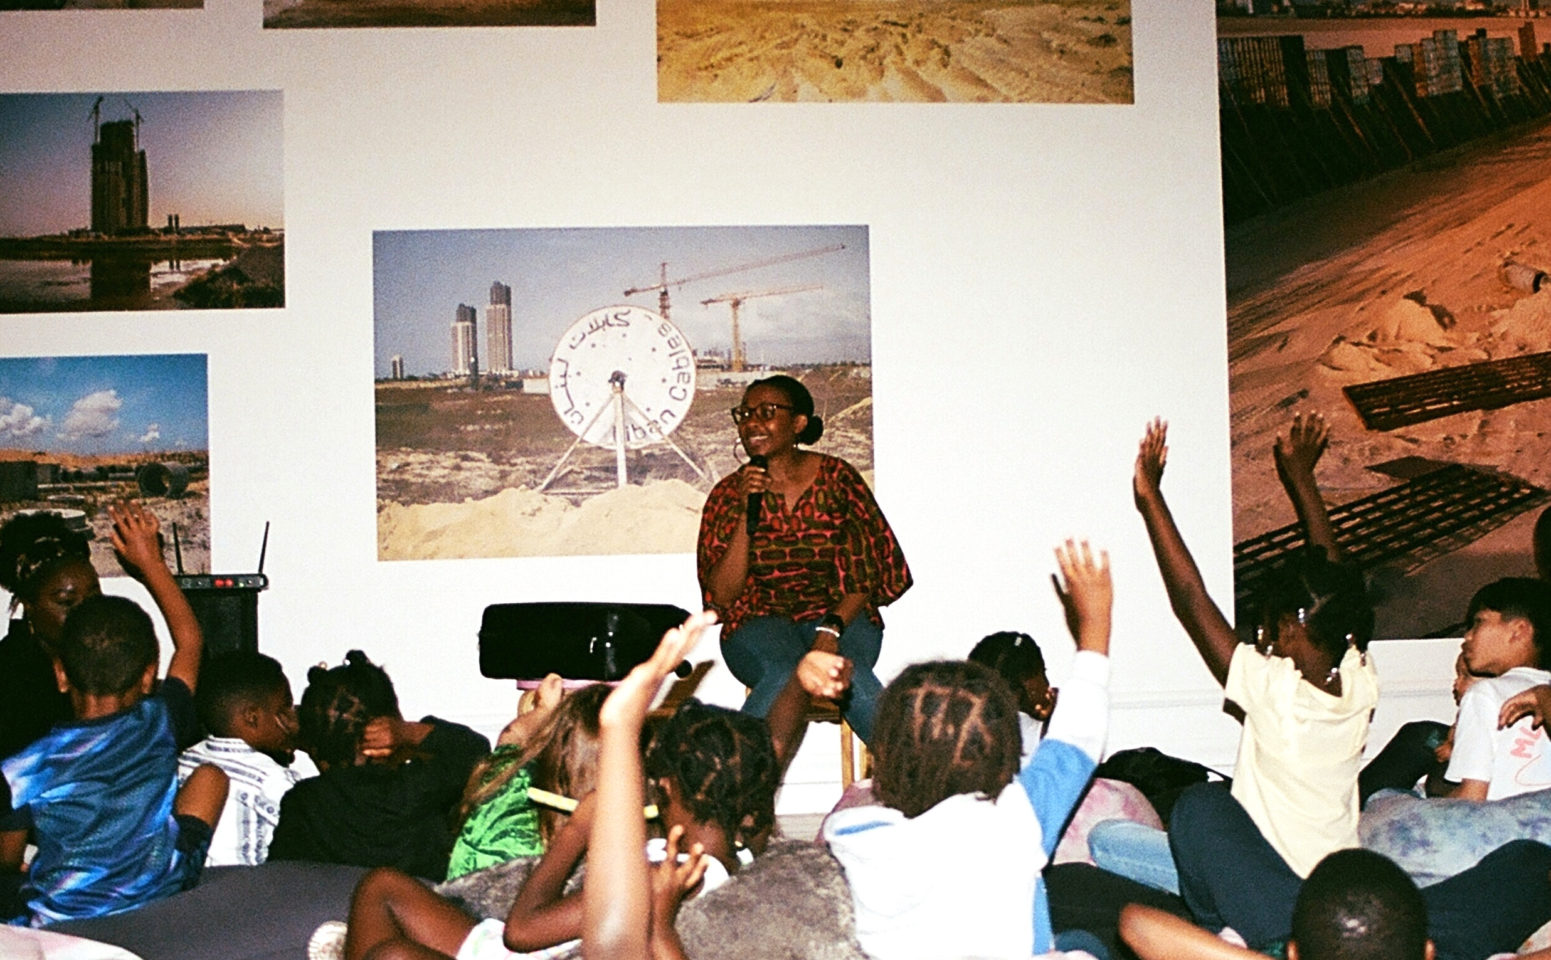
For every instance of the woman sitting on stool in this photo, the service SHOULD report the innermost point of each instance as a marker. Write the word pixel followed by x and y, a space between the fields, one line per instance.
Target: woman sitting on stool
pixel 794 555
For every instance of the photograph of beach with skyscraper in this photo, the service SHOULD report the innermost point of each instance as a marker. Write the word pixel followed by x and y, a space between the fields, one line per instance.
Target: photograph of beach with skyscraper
pixel 141 201
pixel 567 391
pixel 1387 197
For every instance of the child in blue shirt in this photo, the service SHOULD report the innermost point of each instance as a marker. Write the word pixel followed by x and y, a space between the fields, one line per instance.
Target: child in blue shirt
pixel 99 794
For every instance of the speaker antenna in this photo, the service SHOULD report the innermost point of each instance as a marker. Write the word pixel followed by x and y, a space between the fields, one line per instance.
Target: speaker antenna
pixel 263 547
pixel 177 549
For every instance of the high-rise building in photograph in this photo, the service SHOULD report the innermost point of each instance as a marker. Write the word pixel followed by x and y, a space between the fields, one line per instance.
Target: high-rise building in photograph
pixel 396 367
pixel 120 194
pixel 498 329
pixel 465 342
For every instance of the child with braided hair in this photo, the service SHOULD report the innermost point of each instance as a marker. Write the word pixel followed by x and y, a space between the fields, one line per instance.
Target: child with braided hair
pixel 951 796
pixel 388 786
pixel 713 774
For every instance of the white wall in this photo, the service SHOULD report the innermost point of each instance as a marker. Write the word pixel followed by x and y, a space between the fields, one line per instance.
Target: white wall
pixel 1044 277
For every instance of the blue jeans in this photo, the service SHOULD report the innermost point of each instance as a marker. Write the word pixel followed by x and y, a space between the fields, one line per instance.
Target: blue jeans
pixel 763 653
pixel 1134 851
pixel 1230 876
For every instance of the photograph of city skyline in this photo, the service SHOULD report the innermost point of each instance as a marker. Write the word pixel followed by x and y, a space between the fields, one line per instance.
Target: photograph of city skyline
pixel 141 201
pixel 480 338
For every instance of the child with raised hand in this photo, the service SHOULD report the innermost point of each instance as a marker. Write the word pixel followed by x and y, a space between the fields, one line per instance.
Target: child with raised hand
pixel 628 907
pixel 1307 692
pixel 99 793
pixel 948 862
pixel 715 773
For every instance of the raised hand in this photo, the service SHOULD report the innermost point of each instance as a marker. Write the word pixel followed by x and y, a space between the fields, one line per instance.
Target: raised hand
pixel 1151 455
pixel 1300 448
pixel 1086 592
pixel 136 538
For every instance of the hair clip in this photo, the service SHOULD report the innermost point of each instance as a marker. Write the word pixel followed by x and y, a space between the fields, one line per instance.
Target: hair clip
pixel 1303 616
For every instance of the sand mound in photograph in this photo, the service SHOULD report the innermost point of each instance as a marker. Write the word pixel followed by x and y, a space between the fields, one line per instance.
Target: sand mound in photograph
pixel 660 517
pixel 1004 51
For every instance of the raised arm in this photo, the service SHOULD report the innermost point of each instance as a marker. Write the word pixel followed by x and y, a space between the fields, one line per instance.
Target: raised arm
pixel 542 915
pixel 1296 453
pixel 135 532
pixel 616 898
pixel 1208 629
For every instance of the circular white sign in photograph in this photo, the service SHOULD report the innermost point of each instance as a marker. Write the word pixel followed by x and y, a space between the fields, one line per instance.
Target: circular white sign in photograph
pixel 635 348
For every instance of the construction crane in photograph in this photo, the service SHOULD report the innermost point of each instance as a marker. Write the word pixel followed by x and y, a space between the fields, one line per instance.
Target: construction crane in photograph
pixel 97 118
pixel 735 300
pixel 662 285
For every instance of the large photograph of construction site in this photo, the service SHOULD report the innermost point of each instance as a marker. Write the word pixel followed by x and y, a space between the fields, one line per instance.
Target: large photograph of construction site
pixel 920 51
pixel 141 201
pixel 568 391
pixel 78 433
pixel 1387 191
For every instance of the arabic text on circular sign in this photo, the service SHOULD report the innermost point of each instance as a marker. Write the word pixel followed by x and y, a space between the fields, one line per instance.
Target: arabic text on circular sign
pixel 639 349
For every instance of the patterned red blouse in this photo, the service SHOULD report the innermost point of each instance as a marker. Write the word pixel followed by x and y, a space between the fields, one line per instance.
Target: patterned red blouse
pixel 834 541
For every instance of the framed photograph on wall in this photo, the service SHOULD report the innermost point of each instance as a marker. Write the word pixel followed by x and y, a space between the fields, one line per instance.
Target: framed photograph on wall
pixel 141 201
pixel 78 433
pixel 567 391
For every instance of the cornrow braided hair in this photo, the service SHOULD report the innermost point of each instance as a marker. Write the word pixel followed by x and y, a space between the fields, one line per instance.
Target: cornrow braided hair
pixel 563 754
pixel 31 546
pixel 944 728
pixel 724 767
pixel 338 704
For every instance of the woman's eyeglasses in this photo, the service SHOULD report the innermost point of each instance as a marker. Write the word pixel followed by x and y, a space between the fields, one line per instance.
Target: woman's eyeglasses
pixel 764 413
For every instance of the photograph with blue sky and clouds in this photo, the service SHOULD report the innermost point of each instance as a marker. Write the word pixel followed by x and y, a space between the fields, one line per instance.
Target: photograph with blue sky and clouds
pixel 77 433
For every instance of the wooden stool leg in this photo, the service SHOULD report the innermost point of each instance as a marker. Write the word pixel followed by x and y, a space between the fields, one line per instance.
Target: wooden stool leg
pixel 847 756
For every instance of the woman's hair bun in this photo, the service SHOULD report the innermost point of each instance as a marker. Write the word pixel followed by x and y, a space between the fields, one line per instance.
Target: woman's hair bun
pixel 813 431
pixel 355 658
pixel 316 672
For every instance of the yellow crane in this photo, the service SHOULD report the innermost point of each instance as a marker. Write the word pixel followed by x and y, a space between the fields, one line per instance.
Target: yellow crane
pixel 662 285
pixel 735 300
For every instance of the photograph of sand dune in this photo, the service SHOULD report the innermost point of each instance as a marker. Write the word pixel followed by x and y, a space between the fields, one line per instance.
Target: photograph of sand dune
pixel 568 391
pixel 992 51
pixel 141 201
pixel 1387 190
pixel 429 13
pixel 78 433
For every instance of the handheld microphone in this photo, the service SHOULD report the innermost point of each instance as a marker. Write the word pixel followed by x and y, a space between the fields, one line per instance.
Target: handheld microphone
pixel 756 500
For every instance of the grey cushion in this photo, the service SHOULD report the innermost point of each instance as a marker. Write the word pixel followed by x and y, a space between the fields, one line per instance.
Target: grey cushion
pixel 236 913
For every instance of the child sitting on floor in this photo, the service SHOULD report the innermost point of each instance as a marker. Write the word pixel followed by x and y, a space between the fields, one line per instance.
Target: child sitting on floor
pixel 1307 692
pixel 1016 658
pixel 245 702
pixel 552 748
pixel 1355 905
pixel 99 793
pixel 714 772
pixel 388 786
pixel 1505 645
pixel 948 863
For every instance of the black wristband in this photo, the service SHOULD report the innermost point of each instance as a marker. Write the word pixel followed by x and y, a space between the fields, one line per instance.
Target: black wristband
pixel 833 620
